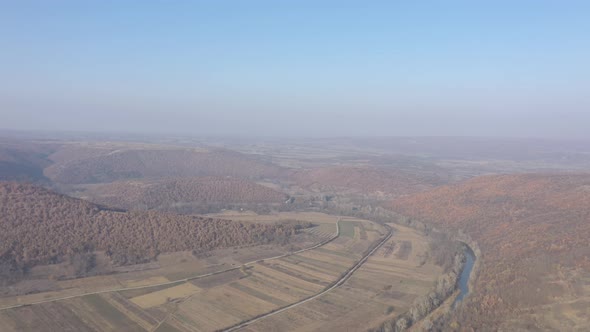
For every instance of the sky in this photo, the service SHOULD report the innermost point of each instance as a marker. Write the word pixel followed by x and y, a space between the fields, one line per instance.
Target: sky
pixel 297 68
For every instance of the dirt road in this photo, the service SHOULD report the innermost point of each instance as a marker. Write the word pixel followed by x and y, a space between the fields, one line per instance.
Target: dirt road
pixel 336 284
pixel 336 235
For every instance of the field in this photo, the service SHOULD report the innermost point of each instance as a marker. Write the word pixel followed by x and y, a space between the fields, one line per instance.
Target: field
pixel 269 285
pixel 384 286
pixel 168 267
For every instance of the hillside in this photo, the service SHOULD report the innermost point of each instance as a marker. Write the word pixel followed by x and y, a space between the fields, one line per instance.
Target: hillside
pixel 185 193
pixel 76 165
pixel 23 161
pixel 365 180
pixel 38 226
pixel 533 234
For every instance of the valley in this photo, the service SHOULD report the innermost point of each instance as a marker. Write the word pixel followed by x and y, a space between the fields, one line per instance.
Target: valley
pixel 116 236
pixel 294 166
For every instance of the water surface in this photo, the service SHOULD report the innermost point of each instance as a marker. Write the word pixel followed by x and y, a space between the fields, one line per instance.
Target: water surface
pixel 465 274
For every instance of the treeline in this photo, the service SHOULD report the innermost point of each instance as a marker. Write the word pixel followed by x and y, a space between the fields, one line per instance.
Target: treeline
pixel 38 226
pixel 183 194
pixel 444 250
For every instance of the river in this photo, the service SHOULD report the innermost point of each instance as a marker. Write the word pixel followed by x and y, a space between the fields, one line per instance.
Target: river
pixel 465 274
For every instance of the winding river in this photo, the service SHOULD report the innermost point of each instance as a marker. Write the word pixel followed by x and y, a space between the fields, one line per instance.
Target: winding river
pixel 465 274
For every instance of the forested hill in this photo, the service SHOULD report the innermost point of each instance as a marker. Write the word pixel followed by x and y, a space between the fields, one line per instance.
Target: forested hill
pixel 38 226
pixel 533 232
pixel 88 165
pixel 182 193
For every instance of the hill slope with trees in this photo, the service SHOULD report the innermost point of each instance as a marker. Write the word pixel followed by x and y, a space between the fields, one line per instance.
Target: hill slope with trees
pixel 75 165
pixel 533 233
pixel 366 180
pixel 38 226
pixel 188 194
pixel 23 161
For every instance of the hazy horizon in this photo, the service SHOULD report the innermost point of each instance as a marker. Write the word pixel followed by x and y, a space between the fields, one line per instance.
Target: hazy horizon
pixel 263 68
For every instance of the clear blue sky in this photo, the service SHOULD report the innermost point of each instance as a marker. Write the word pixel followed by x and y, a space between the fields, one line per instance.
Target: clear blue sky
pixel 494 68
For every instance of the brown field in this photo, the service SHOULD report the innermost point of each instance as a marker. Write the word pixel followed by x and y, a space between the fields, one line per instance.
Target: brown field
pixel 165 295
pixel 268 285
pixel 168 266
pixel 219 301
pixel 384 281
pixel 90 313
